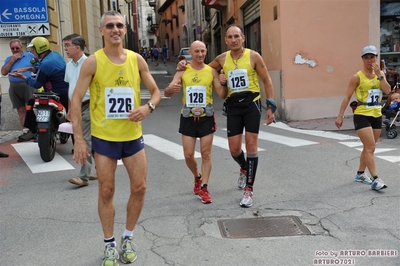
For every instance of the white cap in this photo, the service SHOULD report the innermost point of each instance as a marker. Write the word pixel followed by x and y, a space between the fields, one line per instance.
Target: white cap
pixel 370 49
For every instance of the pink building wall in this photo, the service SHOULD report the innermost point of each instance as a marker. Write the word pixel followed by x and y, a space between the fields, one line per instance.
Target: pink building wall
pixel 327 36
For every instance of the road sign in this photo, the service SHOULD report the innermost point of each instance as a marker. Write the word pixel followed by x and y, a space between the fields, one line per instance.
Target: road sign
pixel 23 11
pixel 31 29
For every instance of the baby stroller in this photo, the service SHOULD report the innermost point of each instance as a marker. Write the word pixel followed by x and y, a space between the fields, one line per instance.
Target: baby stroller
pixel 390 126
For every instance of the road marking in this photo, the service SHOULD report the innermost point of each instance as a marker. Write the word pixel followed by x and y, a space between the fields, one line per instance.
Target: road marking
pixel 352 144
pixel 379 150
pixel 223 143
pixel 317 133
pixel 158 72
pixel 29 152
pixel 145 95
pixel 288 141
pixel 168 147
pixel 392 159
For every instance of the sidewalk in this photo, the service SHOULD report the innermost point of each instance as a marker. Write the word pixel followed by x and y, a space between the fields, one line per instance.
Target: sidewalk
pixel 324 124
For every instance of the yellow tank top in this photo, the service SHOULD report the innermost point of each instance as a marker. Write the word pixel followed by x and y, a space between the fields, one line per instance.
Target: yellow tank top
pixel 240 75
pixel 114 90
pixel 197 87
pixel 369 94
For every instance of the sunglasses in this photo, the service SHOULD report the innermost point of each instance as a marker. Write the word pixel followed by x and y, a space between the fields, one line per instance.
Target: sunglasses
pixel 15 48
pixel 111 26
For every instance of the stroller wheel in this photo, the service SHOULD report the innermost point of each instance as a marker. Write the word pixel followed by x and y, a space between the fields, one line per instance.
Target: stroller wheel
pixel 391 134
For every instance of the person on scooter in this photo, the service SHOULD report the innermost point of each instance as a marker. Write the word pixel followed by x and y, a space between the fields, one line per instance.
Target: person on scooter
pixel 49 67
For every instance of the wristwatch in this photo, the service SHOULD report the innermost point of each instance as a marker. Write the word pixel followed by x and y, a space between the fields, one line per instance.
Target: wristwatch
pixel 381 77
pixel 151 106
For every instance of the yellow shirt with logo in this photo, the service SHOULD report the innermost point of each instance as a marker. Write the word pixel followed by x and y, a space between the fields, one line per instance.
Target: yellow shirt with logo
pixel 369 94
pixel 197 87
pixel 241 76
pixel 114 90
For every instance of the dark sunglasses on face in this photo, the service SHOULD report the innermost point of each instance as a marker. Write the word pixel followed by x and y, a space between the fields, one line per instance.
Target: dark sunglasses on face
pixel 111 26
pixel 15 48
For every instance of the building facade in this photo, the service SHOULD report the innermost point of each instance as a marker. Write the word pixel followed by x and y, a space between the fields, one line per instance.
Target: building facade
pixel 311 47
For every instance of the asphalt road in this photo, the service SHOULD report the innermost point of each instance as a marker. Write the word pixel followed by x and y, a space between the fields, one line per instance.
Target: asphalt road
pixel 308 174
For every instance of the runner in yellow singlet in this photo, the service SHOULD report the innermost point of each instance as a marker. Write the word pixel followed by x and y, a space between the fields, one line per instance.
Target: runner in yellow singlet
pixel 197 115
pixel 113 75
pixel 367 84
pixel 242 68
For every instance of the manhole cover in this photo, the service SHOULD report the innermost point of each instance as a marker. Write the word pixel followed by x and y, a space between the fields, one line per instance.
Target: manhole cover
pixel 262 227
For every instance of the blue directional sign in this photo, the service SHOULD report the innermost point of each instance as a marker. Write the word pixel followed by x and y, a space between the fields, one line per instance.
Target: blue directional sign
pixel 23 11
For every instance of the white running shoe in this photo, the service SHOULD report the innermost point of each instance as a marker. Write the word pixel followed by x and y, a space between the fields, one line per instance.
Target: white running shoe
pixel 363 178
pixel 378 184
pixel 247 200
pixel 242 178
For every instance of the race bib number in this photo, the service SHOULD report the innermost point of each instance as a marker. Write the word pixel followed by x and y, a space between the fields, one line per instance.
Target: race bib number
pixel 196 96
pixel 374 98
pixel 238 80
pixel 119 101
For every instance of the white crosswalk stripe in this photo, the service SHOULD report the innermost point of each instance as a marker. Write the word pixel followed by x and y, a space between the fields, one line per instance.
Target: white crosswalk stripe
pixel 145 95
pixel 168 147
pixel 29 151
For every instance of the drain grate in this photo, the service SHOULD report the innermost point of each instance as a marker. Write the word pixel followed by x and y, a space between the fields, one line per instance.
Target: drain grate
pixel 262 227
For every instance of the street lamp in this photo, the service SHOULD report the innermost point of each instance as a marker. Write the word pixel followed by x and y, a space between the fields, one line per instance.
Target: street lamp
pixel 129 26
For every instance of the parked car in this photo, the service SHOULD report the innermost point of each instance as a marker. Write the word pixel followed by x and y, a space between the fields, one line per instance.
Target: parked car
pixel 184 54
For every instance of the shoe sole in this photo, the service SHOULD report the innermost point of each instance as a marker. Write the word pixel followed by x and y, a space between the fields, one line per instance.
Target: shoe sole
pixel 377 189
pixel 78 184
pixel 363 181
pixel 245 206
pixel 127 262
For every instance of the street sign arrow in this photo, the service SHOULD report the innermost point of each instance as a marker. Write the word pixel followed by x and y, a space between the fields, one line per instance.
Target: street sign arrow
pixel 5 14
pixel 43 28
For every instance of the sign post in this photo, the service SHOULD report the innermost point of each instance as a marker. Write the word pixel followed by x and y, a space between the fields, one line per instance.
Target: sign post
pixel 24 18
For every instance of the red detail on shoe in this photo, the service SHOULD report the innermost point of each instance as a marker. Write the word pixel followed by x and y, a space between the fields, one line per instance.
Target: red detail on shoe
pixel 243 171
pixel 197 186
pixel 204 196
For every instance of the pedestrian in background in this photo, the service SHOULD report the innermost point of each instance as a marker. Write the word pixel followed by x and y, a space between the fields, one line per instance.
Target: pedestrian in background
pixel 74 46
pixel 2 155
pixel 20 92
pixel 197 114
pixel 113 75
pixel 367 84
pixel 155 54
pixel 165 54
pixel 50 69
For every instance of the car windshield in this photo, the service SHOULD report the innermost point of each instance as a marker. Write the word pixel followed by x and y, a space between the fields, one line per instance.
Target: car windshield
pixel 185 52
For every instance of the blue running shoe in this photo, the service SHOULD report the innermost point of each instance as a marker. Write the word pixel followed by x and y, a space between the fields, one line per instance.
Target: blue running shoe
pixel 363 178
pixel 378 184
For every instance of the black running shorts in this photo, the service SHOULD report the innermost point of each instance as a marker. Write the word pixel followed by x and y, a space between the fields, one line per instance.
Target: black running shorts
pixel 197 127
pixel 362 121
pixel 244 117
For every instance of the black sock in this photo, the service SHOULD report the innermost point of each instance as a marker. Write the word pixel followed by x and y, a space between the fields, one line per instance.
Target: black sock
pixel 109 240
pixel 252 162
pixel 374 177
pixel 360 172
pixel 203 186
pixel 240 160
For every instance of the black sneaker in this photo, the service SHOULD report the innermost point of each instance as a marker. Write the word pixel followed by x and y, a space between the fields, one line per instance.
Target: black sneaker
pixel 27 136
